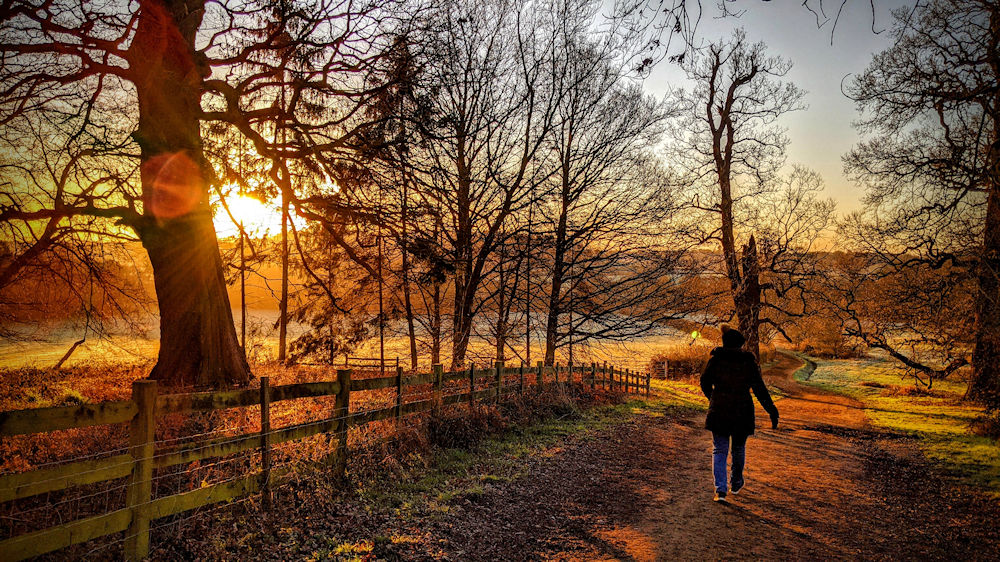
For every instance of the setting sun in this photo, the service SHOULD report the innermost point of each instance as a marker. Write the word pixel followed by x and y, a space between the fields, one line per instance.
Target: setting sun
pixel 259 219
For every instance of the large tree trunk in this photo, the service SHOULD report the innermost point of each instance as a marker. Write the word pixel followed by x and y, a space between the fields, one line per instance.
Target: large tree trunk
pixel 743 285
pixel 729 242
pixel 198 342
pixel 283 303
pixel 985 385
pixel 501 327
pixel 527 294
pixel 748 306
pixel 436 303
pixel 507 302
pixel 460 337
pixel 436 324
pixel 509 279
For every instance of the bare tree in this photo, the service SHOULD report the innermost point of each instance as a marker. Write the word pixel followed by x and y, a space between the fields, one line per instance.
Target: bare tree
pixel 172 67
pixel 626 270
pixel 931 107
pixel 600 209
pixel 53 50
pixel 730 152
pixel 337 299
pixel 57 262
pixel 494 115
pixel 788 221
pixel 918 314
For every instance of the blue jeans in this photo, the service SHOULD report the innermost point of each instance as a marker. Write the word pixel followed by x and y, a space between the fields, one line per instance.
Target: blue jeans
pixel 719 456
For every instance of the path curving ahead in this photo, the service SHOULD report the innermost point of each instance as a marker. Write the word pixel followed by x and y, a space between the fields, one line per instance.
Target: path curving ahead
pixel 824 485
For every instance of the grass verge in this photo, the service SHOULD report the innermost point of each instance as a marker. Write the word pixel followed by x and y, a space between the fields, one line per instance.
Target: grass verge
pixel 938 418
pixel 432 483
pixel 428 484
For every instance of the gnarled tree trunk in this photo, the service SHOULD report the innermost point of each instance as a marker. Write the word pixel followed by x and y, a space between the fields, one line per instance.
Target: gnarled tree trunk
pixel 198 342
pixel 985 385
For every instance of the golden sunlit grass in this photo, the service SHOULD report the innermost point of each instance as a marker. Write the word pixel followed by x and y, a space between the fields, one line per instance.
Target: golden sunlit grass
pixel 39 388
pixel 939 418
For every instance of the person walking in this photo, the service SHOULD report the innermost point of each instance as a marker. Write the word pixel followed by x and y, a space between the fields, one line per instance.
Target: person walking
pixel 729 376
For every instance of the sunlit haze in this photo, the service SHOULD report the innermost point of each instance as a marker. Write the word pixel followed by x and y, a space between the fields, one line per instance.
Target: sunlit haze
pixel 258 219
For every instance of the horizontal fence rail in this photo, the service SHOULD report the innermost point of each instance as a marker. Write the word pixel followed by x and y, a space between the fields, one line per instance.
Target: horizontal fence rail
pixel 142 458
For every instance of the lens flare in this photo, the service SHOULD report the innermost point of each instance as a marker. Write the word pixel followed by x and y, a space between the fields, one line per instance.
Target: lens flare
pixel 175 185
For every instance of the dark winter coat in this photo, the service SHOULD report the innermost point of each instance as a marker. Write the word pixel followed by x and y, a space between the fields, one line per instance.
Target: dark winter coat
pixel 729 377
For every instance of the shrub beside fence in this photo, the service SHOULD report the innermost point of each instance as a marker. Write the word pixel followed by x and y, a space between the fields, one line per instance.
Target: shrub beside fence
pixel 144 458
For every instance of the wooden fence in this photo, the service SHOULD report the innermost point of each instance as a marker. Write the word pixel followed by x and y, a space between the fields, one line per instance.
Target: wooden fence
pixel 143 457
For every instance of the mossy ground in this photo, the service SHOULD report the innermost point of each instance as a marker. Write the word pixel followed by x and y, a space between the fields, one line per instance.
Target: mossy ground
pixel 939 418
pixel 432 483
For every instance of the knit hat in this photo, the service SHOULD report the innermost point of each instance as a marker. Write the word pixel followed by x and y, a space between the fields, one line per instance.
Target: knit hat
pixel 732 338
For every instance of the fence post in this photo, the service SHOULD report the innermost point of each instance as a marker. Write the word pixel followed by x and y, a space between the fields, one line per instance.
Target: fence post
pixel 265 442
pixel 666 369
pixel 472 386
pixel 438 376
pixel 342 409
pixel 604 376
pixel 569 373
pixel 499 367
pixel 540 377
pixel 399 394
pixel 140 484
pixel 649 376
pixel 557 373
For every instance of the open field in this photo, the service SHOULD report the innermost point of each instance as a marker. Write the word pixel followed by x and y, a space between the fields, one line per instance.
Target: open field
pixel 46 347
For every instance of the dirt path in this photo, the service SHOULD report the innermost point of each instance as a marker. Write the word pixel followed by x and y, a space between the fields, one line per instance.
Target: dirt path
pixel 822 486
